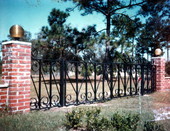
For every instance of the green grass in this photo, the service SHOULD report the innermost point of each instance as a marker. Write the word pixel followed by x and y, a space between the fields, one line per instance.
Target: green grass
pixel 53 119
pixel 35 121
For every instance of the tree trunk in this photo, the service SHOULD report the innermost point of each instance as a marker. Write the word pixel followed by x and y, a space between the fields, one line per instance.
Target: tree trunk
pixel 108 17
pixel 108 35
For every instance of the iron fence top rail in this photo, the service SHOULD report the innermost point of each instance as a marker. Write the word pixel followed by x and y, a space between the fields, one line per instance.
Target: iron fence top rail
pixel 94 63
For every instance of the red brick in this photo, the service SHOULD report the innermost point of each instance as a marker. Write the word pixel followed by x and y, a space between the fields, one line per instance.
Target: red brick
pixel 14 89
pixel 16 82
pixel 12 70
pixel 14 53
pixel 24 92
pixel 13 101
pixel 27 96
pixel 16 104
pixel 12 93
pixel 15 61
pixel 5 73
pixel 3 93
pixel 25 46
pixel 3 97
pixel 23 84
pixel 23 70
pixel 18 50
pixel 23 107
pixel 2 101
pixel 16 97
pixel 28 51
pixel 27 102
pixel 3 89
pixel 24 100
pixel 13 45
pixel 24 62
pixel 24 77
pixel 15 73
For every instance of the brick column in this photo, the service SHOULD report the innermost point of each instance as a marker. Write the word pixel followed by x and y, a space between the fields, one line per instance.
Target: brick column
pixel 160 73
pixel 16 65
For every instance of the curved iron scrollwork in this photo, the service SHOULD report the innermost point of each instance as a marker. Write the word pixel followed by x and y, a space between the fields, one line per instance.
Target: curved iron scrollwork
pixel 55 100
pixel 131 90
pixel 44 102
pixel 103 95
pixel 68 98
pixel 119 92
pixel 86 96
pixel 35 65
pixel 34 103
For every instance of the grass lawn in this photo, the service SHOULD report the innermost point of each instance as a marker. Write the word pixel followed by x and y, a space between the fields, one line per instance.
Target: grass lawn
pixel 53 119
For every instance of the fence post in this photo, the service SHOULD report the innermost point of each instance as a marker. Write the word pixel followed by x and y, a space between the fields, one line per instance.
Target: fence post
pixel 62 83
pixel 16 66
pixel 142 79
pixel 159 62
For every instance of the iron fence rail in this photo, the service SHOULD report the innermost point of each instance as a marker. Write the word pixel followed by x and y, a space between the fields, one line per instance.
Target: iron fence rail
pixel 62 83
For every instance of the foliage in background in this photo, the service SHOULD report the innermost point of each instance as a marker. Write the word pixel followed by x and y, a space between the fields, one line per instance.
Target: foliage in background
pixel 124 28
pixel 155 33
pixel 132 34
pixel 60 40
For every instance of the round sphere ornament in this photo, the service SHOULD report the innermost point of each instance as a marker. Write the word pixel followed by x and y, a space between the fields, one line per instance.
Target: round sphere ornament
pixel 16 32
pixel 158 52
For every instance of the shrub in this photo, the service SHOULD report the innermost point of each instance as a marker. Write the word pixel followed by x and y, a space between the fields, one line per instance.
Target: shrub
pixel 128 122
pixel 95 122
pixel 74 119
pixel 153 126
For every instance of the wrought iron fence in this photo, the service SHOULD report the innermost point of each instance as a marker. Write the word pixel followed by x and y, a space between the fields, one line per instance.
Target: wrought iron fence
pixel 63 83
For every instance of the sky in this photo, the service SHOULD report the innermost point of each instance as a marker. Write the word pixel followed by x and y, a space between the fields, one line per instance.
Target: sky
pixel 32 15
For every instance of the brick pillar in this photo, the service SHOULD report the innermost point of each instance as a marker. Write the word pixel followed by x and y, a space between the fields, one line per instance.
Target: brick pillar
pixel 160 73
pixel 16 65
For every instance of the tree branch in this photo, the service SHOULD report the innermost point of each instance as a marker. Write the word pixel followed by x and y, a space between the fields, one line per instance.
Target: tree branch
pixel 130 5
pixel 98 9
pixel 72 9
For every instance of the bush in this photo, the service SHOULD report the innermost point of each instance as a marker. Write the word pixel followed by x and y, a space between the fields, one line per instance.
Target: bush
pixel 153 126
pixel 128 122
pixel 95 122
pixel 74 119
